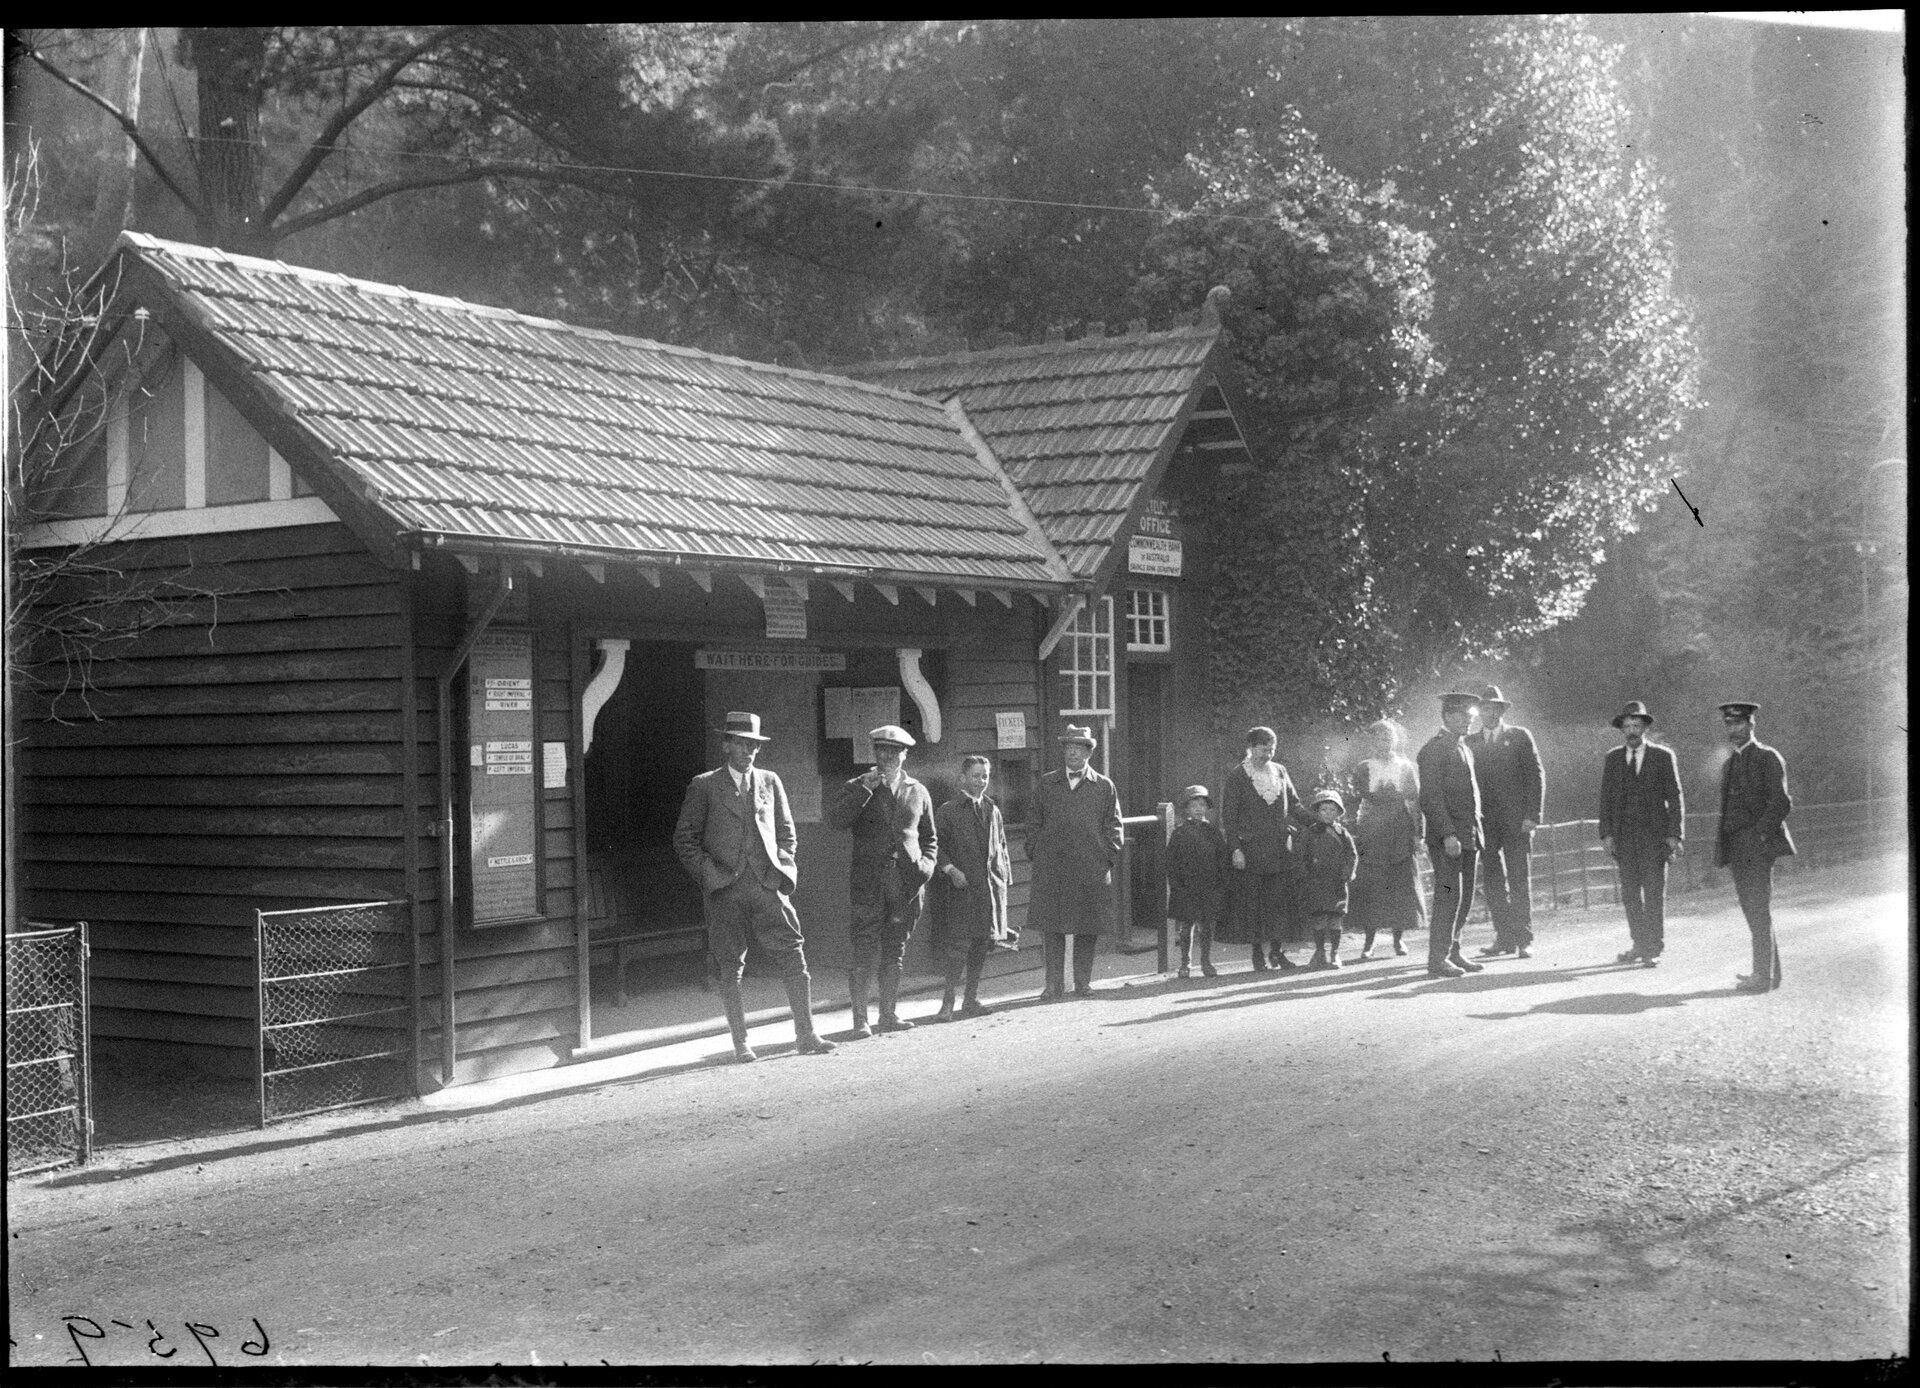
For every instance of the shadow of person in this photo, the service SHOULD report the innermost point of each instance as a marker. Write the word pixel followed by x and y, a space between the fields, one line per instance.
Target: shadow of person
pixel 1608 1004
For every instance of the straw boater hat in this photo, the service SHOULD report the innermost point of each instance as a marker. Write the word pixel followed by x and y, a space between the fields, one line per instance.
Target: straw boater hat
pixel 891 732
pixel 1636 709
pixel 1492 695
pixel 1076 733
pixel 1745 708
pixel 1192 793
pixel 745 725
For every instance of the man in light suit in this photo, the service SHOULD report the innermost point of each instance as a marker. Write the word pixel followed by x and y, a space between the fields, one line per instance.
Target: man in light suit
pixel 895 849
pixel 1506 764
pixel 1642 824
pixel 1754 805
pixel 736 837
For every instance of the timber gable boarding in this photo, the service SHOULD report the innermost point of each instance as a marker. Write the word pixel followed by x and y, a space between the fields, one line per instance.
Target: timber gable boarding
pixel 270 737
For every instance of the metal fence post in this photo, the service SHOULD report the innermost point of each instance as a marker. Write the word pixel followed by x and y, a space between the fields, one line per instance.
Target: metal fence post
pixel 83 1033
pixel 1553 867
pixel 1586 903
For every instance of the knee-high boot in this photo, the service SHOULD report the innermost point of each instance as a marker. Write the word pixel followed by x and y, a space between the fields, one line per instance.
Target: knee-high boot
pixel 736 1012
pixel 890 999
pixel 800 999
pixel 857 981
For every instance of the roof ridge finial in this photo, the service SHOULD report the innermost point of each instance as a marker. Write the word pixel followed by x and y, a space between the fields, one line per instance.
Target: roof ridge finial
pixel 1217 299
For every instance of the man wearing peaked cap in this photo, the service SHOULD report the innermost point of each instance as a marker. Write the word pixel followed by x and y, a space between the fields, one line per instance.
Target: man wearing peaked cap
pixel 1506 763
pixel 895 850
pixel 736 837
pixel 1754 805
pixel 1642 824
pixel 1450 804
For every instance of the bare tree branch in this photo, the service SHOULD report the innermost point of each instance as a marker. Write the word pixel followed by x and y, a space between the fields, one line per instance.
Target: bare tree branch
pixel 327 141
pixel 127 124
pixel 533 173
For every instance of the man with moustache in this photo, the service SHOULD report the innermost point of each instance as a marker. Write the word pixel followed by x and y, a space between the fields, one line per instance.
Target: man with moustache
pixel 1506 764
pixel 1754 805
pixel 1074 838
pixel 1450 804
pixel 1642 824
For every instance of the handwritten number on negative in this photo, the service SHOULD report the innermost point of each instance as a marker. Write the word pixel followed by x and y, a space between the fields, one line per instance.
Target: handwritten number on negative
pixel 158 1336
pixel 203 1333
pixel 1689 505
pixel 247 1346
pixel 76 1334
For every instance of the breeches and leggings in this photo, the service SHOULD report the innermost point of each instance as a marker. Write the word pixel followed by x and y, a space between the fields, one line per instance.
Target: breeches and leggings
pixel 1506 873
pixel 883 917
pixel 1056 960
pixel 1643 893
pixel 747 911
pixel 1452 900
pixel 1753 884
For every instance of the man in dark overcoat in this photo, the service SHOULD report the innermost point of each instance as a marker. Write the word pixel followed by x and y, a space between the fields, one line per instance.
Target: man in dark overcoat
pixel 1074 838
pixel 1506 765
pixel 1754 805
pixel 1642 823
pixel 736 837
pixel 894 852
pixel 1450 804
pixel 969 893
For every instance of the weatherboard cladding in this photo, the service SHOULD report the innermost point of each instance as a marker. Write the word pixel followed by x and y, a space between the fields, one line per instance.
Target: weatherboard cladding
pixel 1079 426
pixel 485 425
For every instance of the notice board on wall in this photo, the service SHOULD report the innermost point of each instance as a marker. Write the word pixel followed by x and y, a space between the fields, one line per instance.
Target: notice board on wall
pixel 504 804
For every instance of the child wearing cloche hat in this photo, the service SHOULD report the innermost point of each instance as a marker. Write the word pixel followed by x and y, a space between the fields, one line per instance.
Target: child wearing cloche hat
pixel 1196 879
pixel 1331 858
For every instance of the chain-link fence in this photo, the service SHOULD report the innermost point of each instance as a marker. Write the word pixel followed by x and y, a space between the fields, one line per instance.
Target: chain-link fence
pixel 49 1112
pixel 336 1021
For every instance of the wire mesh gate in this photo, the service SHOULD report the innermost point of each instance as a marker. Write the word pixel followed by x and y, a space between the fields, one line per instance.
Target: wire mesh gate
pixel 49 1106
pixel 336 1021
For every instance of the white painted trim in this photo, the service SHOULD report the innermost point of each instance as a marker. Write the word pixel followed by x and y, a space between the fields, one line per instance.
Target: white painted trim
pixel 279 476
pixel 916 685
pixel 600 688
pixel 155 525
pixel 193 387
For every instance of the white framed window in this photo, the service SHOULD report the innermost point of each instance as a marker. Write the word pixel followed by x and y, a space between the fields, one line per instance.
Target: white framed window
pixel 1086 660
pixel 1148 626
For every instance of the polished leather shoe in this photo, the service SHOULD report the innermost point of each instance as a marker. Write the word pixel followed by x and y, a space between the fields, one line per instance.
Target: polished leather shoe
pixel 1051 995
pixel 860 1032
pixel 1523 953
pixel 1445 969
pixel 976 1009
pixel 1465 965
pixel 945 1014
pixel 1281 962
pixel 1083 992
pixel 894 1024
pixel 744 1055
pixel 1495 951
pixel 1652 961
pixel 814 1045
pixel 1747 983
pixel 1632 956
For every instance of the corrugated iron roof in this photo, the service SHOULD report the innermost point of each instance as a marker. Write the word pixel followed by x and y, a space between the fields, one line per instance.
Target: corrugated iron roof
pixel 1083 427
pixel 477 424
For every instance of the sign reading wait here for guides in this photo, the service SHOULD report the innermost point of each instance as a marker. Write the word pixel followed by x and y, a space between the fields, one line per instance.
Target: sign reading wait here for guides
pixel 504 802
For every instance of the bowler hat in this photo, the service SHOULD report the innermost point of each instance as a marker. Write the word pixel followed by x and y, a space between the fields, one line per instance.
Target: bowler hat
pixel 1451 703
pixel 1076 733
pixel 1636 709
pixel 1492 695
pixel 1195 793
pixel 745 725
pixel 1745 708
pixel 892 732
pixel 1327 796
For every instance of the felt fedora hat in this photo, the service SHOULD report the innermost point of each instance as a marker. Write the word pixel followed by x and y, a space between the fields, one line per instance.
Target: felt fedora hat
pixel 745 725
pixel 892 732
pixel 1492 695
pixel 1636 709
pixel 1078 733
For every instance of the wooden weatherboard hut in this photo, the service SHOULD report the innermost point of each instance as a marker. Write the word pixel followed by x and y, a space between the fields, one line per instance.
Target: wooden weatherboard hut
pixel 433 602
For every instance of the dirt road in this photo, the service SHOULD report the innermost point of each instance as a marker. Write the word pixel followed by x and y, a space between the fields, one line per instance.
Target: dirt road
pixel 1554 1159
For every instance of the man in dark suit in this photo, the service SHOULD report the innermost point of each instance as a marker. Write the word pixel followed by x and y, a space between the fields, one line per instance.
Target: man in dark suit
pixel 736 837
pixel 1450 803
pixel 969 893
pixel 1506 763
pixel 1642 824
pixel 895 848
pixel 1754 805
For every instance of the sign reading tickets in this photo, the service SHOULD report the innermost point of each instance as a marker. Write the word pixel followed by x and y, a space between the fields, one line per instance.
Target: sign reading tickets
pixel 1153 554
pixel 504 803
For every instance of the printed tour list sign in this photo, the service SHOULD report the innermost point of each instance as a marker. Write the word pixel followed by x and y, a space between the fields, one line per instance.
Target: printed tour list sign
pixel 504 801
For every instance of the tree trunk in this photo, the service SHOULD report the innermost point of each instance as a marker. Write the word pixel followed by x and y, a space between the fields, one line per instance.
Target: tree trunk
pixel 113 194
pixel 230 64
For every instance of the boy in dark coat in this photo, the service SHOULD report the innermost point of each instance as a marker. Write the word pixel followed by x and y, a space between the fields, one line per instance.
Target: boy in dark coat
pixel 1196 879
pixel 1330 857
pixel 970 887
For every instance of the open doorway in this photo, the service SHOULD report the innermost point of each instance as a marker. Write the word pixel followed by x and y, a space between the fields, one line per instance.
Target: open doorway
pixel 643 910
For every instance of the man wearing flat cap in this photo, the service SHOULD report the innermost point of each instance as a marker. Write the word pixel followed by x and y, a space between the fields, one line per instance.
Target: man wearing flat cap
pixel 1074 838
pixel 1754 805
pixel 736 837
pixel 1642 823
pixel 1506 765
pixel 1450 804
pixel 895 849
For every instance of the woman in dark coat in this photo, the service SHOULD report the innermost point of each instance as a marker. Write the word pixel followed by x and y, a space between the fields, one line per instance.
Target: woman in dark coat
pixel 1386 789
pixel 1259 815
pixel 970 887
pixel 1196 879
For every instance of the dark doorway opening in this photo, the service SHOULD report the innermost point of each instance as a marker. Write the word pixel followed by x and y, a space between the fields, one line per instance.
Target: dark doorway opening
pixel 649 740
pixel 1144 788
